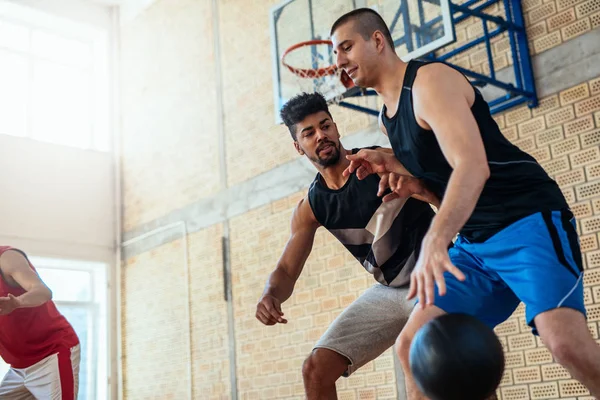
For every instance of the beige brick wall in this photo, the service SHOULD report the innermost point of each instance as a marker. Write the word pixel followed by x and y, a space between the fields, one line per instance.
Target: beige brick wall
pixel 549 23
pixel 210 343
pixel 169 121
pixel 156 355
pixel 155 352
pixel 270 358
pixel 563 134
pixel 254 143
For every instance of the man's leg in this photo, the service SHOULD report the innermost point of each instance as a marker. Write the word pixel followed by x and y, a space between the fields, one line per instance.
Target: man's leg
pixel 75 361
pixel 364 330
pixel 540 260
pixel 53 378
pixel 482 295
pixel 418 318
pixel 13 386
pixel 565 332
pixel 320 372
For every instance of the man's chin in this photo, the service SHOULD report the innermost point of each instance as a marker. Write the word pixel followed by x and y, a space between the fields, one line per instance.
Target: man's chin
pixel 329 160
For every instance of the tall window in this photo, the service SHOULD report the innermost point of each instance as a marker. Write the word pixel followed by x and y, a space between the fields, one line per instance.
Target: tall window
pixel 80 293
pixel 54 82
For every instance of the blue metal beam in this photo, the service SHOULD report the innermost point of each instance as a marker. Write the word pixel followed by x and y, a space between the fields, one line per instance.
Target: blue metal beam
pixel 509 104
pixel 359 108
pixel 471 44
pixel 488 48
pixel 509 87
pixel 464 16
pixel 515 12
pixel 486 17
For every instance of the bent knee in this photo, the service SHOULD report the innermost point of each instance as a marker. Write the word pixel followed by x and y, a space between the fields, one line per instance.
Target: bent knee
pixel 403 343
pixel 324 364
pixel 564 350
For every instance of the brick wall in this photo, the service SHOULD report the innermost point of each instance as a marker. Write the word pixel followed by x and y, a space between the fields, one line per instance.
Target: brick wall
pixel 563 134
pixel 155 353
pixel 549 23
pixel 155 347
pixel 169 122
pixel 210 344
pixel 254 143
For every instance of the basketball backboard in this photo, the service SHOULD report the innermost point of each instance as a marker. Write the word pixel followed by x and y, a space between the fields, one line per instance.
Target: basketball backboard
pixel 418 27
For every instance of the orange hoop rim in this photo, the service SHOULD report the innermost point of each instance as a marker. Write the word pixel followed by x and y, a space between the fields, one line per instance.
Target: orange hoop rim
pixel 309 72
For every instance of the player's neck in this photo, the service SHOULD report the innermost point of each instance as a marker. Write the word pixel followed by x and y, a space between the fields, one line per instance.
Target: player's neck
pixel 389 85
pixel 332 175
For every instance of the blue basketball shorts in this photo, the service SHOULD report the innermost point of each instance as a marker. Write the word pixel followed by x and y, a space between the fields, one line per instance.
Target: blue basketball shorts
pixel 536 260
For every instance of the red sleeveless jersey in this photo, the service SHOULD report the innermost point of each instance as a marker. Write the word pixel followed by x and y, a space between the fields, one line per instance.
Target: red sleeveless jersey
pixel 28 335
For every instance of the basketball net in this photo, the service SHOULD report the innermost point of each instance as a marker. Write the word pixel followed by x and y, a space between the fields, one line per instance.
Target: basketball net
pixel 313 64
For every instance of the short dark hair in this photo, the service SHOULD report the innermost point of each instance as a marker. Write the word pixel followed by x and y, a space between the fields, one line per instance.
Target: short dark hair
pixel 367 21
pixel 300 107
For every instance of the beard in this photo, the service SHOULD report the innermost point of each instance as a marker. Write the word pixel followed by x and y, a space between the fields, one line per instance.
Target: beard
pixel 330 159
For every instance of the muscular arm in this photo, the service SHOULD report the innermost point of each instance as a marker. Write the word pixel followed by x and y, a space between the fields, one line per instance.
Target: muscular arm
pixel 303 227
pixel 282 280
pixel 442 102
pixel 16 270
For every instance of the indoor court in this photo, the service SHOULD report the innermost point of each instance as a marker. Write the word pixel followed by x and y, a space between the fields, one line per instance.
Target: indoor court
pixel 148 176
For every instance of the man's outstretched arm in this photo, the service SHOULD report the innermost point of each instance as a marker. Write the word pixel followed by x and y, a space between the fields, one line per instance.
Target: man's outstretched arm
pixel 281 281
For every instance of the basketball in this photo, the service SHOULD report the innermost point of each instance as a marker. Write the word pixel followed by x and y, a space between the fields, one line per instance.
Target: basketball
pixel 456 357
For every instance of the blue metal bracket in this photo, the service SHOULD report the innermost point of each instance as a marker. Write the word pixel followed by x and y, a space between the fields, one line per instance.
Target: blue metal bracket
pixel 522 91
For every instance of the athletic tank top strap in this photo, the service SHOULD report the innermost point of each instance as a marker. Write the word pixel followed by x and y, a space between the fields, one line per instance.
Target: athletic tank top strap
pixel 411 73
pixel 518 186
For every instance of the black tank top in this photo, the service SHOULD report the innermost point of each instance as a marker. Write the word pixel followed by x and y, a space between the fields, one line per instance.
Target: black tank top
pixel 384 237
pixel 518 186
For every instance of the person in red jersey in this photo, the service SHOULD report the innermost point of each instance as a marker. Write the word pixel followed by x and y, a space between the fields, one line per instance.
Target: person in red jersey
pixel 36 340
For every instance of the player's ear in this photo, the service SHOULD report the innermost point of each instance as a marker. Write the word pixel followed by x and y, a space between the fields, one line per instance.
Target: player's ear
pixel 379 40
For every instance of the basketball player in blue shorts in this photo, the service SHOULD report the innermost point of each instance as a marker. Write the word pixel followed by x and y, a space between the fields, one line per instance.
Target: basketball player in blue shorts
pixel 517 239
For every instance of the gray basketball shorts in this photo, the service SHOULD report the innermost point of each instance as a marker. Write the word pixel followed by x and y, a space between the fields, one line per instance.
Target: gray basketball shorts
pixel 369 326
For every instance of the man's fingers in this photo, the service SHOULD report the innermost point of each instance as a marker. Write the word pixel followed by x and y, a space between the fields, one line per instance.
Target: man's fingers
pixel 421 291
pixel 277 305
pixel 361 155
pixel 412 289
pixel 441 282
pixel 273 312
pixel 353 166
pixel 264 317
pixel 362 172
pixel 383 184
pixel 390 197
pixel 393 181
pixel 278 309
pixel 455 271
pixel 429 288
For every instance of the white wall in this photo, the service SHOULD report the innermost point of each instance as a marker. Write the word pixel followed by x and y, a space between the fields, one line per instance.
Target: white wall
pixel 56 201
pixel 129 9
pixel 86 12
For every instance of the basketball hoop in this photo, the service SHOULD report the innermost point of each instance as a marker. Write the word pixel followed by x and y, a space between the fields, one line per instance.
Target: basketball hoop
pixel 322 75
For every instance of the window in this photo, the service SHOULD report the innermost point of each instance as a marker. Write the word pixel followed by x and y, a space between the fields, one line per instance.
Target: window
pixel 54 82
pixel 80 293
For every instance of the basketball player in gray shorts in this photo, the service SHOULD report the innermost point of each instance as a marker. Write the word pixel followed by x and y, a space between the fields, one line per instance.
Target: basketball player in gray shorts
pixel 383 231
